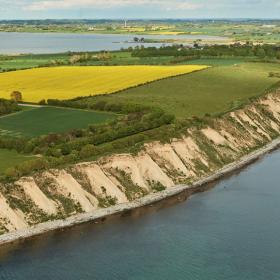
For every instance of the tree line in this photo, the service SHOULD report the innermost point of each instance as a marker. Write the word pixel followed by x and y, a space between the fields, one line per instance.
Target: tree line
pixel 247 50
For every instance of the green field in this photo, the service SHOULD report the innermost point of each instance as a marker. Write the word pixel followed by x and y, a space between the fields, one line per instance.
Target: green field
pixel 214 90
pixel 38 60
pixel 12 63
pixel 30 61
pixel 116 58
pixel 9 158
pixel 44 120
pixel 216 61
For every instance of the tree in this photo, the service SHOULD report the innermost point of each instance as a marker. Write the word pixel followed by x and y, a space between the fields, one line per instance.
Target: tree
pixel 42 102
pixel 260 52
pixel 103 56
pixel 8 106
pixel 75 59
pixel 17 96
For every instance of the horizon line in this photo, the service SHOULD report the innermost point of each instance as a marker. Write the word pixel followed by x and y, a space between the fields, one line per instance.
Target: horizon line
pixel 143 19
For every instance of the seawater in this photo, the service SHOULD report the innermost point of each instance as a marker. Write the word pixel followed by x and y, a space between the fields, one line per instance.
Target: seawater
pixel 230 232
pixel 40 43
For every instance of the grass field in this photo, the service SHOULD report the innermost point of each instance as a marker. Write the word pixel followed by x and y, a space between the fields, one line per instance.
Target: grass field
pixel 70 82
pixel 30 61
pixel 213 90
pixel 9 158
pixel 38 60
pixel 44 120
pixel 216 61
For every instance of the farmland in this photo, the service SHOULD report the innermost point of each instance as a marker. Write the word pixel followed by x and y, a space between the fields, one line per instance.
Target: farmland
pixel 126 98
pixel 45 120
pixel 243 30
pixel 70 82
pixel 9 158
pixel 212 91
pixel 29 61
pixel 22 62
pixel 164 56
pixel 26 61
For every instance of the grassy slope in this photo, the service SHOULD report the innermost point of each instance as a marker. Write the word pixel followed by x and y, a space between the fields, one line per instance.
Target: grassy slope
pixel 46 120
pixel 210 91
pixel 11 158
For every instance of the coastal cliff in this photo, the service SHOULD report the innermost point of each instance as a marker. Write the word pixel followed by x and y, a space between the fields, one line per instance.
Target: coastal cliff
pixel 158 167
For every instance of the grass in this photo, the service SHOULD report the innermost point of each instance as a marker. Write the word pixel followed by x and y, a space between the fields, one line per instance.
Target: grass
pixel 125 58
pixel 44 120
pixel 9 158
pixel 21 62
pixel 117 58
pixel 30 61
pixel 216 61
pixel 70 82
pixel 212 91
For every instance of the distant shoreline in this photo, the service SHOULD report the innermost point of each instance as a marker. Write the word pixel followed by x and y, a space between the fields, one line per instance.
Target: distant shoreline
pixel 150 199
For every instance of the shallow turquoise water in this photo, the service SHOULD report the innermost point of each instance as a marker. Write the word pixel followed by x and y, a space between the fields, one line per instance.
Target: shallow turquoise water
pixel 230 232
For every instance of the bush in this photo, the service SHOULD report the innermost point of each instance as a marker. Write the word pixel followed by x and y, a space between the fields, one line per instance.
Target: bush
pixel 8 106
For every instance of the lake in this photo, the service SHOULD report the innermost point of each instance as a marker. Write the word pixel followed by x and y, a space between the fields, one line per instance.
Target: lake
pixel 231 232
pixel 21 43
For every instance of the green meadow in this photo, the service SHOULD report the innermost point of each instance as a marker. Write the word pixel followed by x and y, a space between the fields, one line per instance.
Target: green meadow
pixel 211 91
pixel 45 120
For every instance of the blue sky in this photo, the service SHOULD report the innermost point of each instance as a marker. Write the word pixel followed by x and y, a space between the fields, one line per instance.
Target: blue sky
pixel 37 9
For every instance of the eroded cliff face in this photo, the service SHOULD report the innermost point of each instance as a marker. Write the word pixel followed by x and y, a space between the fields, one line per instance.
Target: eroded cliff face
pixel 84 187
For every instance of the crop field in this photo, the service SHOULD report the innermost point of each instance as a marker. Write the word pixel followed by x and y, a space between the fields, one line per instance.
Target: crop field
pixel 44 120
pixel 212 91
pixel 9 158
pixel 69 82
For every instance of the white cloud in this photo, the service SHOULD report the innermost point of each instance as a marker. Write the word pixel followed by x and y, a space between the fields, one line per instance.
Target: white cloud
pixel 72 4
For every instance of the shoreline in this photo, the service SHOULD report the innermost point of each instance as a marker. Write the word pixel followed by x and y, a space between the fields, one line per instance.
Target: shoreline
pixel 149 199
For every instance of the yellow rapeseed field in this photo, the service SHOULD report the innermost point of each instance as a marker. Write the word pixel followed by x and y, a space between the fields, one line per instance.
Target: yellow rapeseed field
pixel 73 81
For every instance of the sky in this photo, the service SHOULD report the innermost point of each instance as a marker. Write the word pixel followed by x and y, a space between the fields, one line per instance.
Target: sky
pixel 135 9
